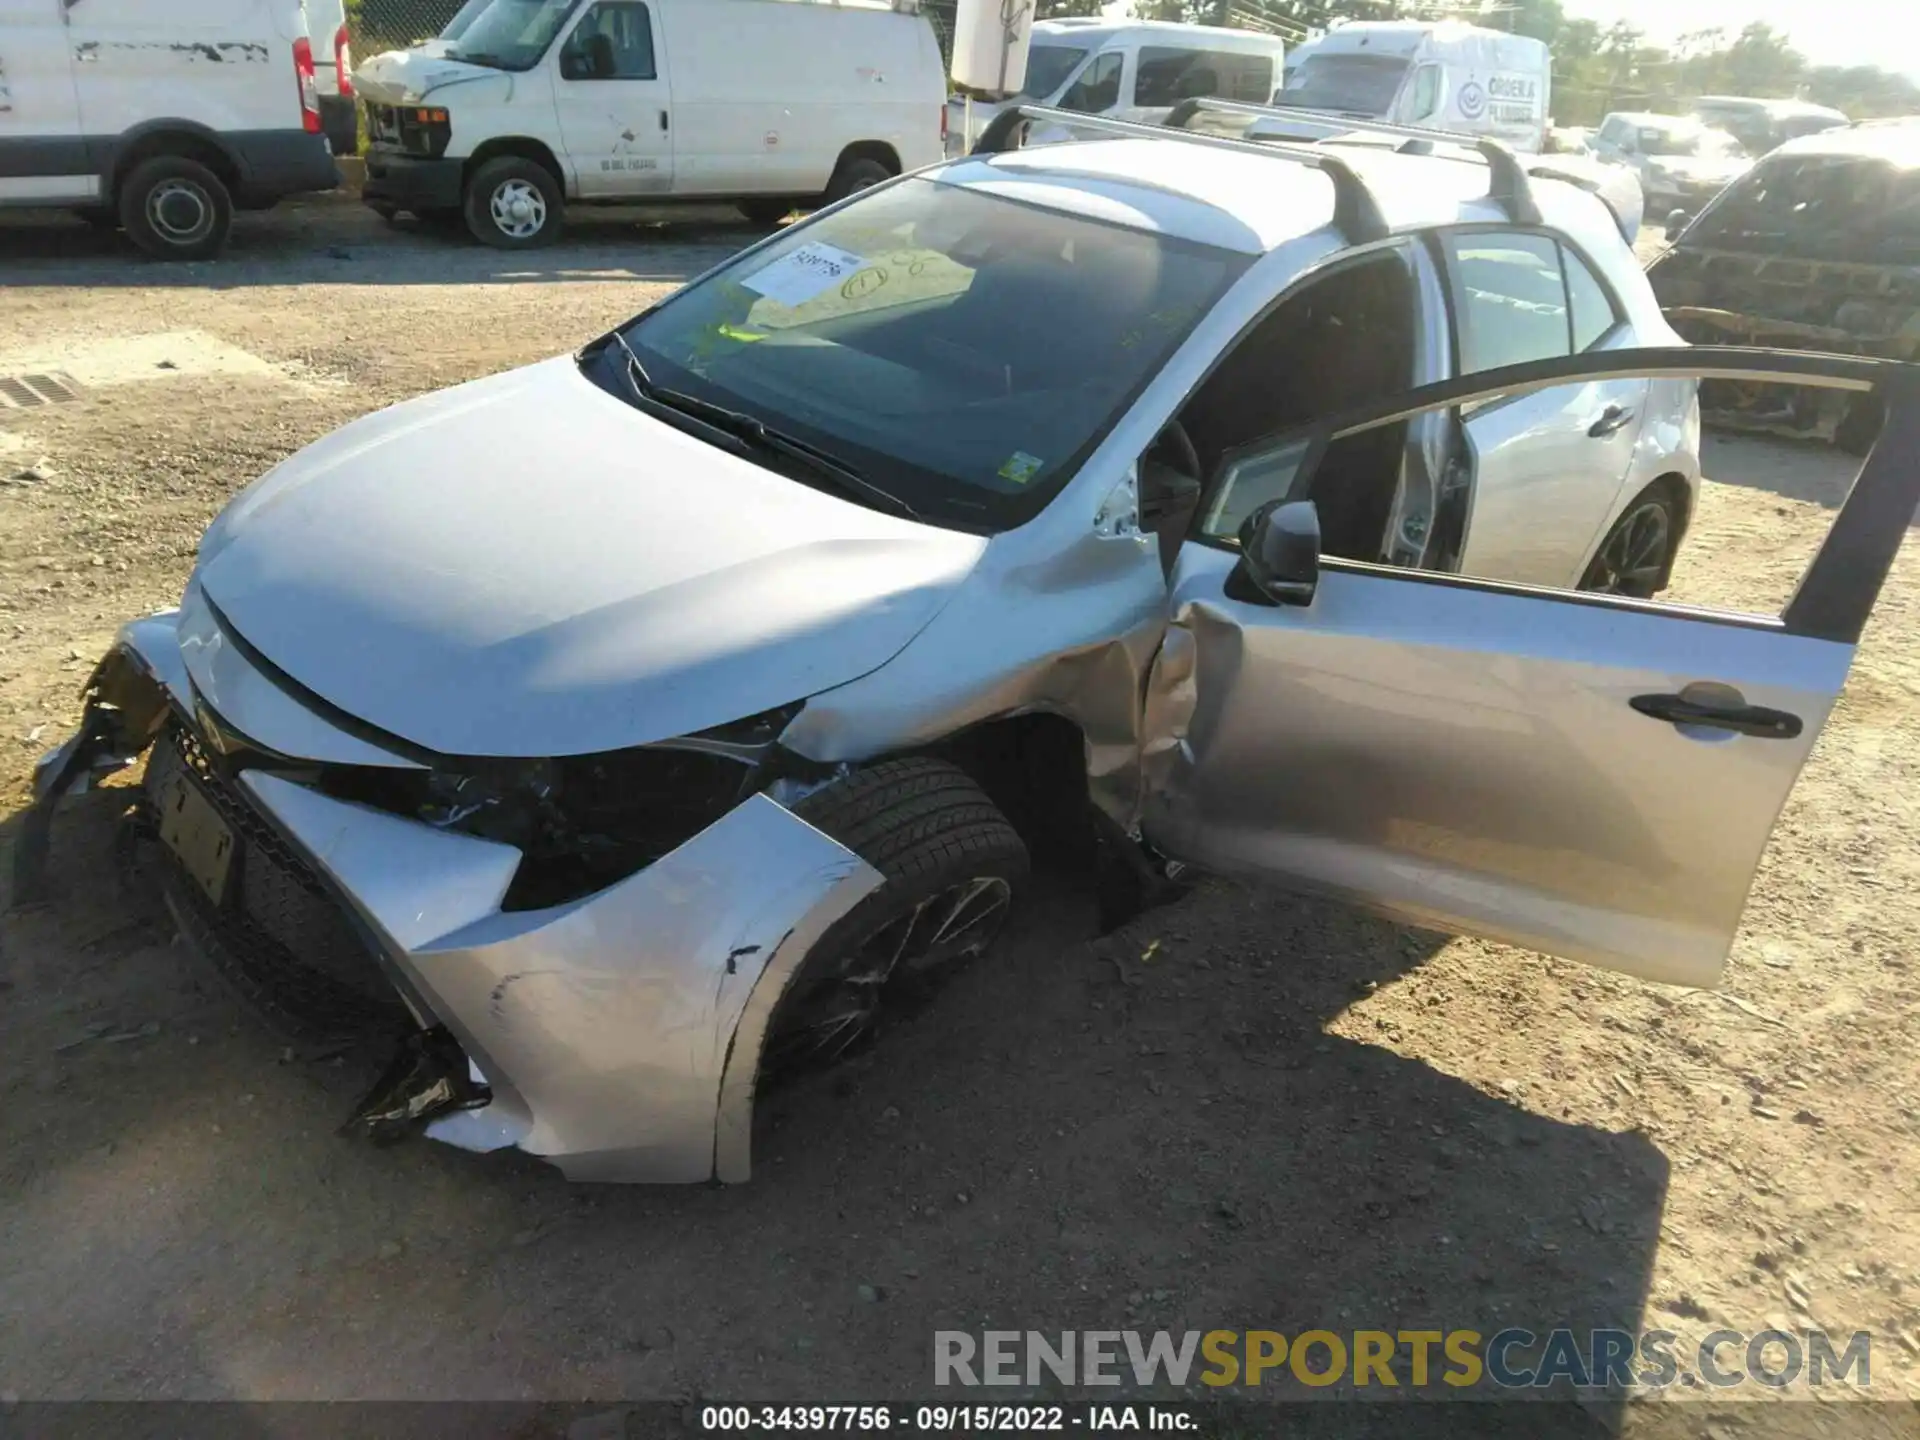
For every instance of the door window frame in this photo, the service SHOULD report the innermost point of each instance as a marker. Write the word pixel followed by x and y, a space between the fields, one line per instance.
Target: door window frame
pixel 565 44
pixel 1837 590
pixel 1406 246
pixel 1086 69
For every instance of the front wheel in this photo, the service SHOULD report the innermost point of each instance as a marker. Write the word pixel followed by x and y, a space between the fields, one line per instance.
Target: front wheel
pixel 176 209
pixel 514 204
pixel 1638 552
pixel 853 176
pixel 952 865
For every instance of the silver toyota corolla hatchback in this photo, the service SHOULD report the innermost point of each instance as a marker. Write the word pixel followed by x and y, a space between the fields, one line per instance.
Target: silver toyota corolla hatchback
pixel 618 731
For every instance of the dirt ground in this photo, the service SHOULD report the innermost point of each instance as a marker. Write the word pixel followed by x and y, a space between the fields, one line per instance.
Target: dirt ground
pixel 1245 1110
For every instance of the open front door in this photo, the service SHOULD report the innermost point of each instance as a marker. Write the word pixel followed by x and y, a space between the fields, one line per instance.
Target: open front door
pixel 1588 775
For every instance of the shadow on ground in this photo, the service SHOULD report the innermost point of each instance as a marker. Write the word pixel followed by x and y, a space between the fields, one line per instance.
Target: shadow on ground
pixel 335 240
pixel 1150 1131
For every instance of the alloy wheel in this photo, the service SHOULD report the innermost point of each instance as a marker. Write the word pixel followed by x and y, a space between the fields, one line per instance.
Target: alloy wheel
pixel 1635 554
pixel 836 1010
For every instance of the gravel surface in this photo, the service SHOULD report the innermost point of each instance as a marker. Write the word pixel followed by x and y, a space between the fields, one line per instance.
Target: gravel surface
pixel 1245 1110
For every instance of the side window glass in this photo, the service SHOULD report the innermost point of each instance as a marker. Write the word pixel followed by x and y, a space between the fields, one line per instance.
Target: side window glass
pixel 1250 480
pixel 1426 91
pixel 1588 303
pixel 1157 80
pixel 1098 88
pixel 1511 299
pixel 1251 78
pixel 613 41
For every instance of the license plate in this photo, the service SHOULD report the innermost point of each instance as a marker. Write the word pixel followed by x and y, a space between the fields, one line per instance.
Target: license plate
pixel 194 831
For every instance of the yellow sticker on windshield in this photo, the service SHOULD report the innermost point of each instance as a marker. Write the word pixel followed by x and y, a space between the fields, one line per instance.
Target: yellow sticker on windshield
pixel 745 337
pixel 1021 467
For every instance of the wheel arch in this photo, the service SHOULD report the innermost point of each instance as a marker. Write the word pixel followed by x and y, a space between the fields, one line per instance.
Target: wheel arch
pixel 523 147
pixel 878 150
pixel 188 139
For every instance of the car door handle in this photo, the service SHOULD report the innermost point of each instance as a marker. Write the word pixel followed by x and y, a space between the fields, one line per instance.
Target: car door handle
pixel 663 120
pixel 1612 421
pixel 1754 720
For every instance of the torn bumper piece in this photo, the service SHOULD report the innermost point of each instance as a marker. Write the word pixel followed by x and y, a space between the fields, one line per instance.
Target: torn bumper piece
pixel 620 1034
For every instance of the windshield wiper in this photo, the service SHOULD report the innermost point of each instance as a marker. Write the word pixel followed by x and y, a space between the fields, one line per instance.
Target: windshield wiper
pixel 480 57
pixel 754 431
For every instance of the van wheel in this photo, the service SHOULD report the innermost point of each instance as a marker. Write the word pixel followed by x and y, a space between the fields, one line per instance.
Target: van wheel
pixel 765 212
pixel 855 175
pixel 176 209
pixel 952 865
pixel 514 204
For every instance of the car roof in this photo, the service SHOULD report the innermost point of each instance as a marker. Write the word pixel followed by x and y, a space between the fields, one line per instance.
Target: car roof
pixel 1652 118
pixel 1248 202
pixel 1896 142
pixel 1193 36
pixel 1772 107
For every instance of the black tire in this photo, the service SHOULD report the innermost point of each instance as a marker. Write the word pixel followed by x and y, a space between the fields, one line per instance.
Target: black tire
pixel 854 175
pixel 514 204
pixel 176 209
pixel 386 212
pixel 1637 556
pixel 766 212
pixel 952 864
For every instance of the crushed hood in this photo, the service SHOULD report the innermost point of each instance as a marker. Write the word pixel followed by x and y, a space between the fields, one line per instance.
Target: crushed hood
pixel 527 566
pixel 406 77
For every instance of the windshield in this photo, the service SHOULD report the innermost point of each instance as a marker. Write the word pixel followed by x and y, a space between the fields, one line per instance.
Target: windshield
pixel 1364 84
pixel 463 17
pixel 1818 208
pixel 962 351
pixel 1048 67
pixel 511 34
pixel 1697 141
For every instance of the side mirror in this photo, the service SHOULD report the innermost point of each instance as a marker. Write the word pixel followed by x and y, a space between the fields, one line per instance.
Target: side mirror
pixel 1280 547
pixel 1677 220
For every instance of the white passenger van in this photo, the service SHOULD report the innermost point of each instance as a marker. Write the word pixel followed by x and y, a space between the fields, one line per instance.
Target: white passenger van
pixel 1133 70
pixel 538 104
pixel 161 118
pixel 1443 76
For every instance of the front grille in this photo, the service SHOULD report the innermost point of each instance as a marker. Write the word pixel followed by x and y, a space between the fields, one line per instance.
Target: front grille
pixel 280 936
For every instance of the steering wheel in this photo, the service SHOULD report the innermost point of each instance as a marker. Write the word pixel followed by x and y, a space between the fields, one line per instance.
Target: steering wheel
pixel 1180 453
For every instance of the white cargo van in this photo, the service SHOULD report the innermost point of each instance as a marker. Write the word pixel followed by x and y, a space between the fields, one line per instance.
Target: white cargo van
pixel 159 117
pixel 1132 70
pixel 540 103
pixel 333 73
pixel 1442 76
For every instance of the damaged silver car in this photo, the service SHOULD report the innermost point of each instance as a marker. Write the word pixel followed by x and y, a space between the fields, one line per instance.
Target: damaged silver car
pixel 624 730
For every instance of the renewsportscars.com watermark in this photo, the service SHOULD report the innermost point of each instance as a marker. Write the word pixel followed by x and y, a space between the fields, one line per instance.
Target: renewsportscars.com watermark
pixel 1512 1359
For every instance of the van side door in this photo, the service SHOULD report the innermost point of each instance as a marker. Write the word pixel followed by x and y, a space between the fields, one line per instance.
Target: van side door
pixel 224 64
pixel 43 155
pixel 614 101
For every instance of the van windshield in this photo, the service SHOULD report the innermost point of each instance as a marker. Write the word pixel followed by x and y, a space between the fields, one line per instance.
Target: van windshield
pixel 964 352
pixel 463 17
pixel 1361 84
pixel 511 34
pixel 1048 67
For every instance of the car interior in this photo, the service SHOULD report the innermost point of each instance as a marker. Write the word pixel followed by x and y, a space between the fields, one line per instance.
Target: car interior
pixel 1343 341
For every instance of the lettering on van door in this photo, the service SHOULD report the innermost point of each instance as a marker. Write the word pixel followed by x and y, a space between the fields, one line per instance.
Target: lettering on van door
pixel 1513 99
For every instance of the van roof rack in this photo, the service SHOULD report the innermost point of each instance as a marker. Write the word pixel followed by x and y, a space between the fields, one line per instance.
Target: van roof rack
pixel 1356 213
pixel 1510 188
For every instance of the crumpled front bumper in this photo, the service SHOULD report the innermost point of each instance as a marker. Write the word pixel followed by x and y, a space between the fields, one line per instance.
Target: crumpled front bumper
pixel 618 1035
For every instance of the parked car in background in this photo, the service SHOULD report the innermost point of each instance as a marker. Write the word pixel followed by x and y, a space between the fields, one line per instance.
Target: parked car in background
pixel 1443 75
pixel 1153 485
pixel 1131 70
pixel 1816 248
pixel 333 73
pixel 540 104
pixel 1760 125
pixel 159 119
pixel 1569 140
pixel 1682 163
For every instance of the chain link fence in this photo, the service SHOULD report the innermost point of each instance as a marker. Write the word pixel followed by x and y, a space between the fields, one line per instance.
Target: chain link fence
pixel 377 25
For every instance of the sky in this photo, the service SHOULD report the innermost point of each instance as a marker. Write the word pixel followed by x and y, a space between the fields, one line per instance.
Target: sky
pixel 1827 32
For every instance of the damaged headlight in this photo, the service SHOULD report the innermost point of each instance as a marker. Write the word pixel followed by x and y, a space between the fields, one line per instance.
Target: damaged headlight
pixel 582 822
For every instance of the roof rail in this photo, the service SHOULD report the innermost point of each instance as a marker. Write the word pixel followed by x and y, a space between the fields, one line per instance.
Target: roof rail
pixel 1509 189
pixel 1356 213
